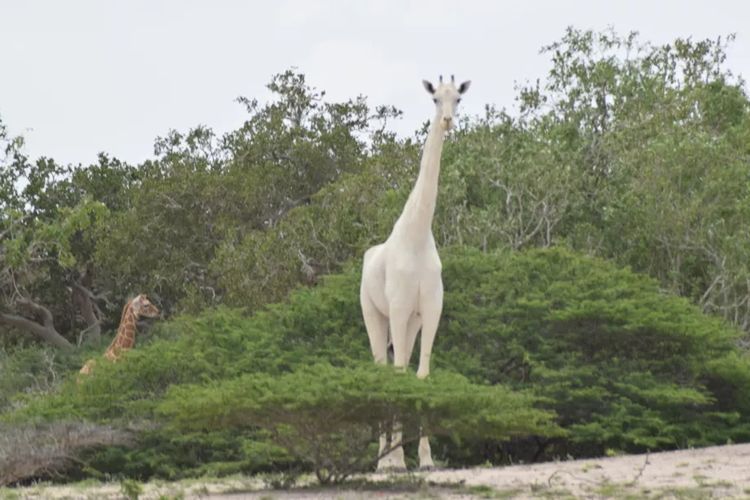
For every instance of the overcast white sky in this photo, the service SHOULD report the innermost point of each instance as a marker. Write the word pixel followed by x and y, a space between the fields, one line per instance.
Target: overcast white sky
pixel 80 77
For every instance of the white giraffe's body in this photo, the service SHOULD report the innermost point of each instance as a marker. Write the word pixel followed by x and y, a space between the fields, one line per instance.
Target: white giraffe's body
pixel 402 286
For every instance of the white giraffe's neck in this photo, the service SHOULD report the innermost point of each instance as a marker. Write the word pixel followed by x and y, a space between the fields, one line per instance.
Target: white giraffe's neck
pixel 416 219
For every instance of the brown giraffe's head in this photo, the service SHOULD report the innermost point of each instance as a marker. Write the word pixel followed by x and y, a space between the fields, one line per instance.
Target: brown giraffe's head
pixel 143 308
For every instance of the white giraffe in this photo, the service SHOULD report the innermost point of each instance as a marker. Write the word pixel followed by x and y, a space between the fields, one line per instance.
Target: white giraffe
pixel 402 287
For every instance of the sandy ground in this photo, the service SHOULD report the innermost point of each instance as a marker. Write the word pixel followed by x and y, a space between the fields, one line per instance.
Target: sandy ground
pixel 715 472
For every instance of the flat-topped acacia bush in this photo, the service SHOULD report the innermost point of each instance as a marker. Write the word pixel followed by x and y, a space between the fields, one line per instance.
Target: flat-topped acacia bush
pixel 329 418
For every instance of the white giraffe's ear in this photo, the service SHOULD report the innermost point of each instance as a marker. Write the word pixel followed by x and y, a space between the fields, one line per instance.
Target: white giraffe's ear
pixel 428 86
pixel 464 86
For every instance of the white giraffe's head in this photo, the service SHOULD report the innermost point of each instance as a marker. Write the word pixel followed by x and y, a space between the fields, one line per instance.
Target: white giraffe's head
pixel 446 97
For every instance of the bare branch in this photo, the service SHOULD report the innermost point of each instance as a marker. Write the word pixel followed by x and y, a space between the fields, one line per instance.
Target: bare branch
pixel 44 331
pixel 30 451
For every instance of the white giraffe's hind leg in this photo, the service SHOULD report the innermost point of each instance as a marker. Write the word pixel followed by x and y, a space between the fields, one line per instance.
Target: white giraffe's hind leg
pixel 377 331
pixel 400 314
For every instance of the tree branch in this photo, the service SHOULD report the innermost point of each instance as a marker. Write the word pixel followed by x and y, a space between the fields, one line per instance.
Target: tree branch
pixel 44 331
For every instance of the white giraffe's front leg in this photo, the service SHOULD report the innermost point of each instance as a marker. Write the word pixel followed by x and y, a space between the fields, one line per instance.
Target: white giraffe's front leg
pixel 397 455
pixel 394 460
pixel 383 460
pixel 425 453
pixel 431 304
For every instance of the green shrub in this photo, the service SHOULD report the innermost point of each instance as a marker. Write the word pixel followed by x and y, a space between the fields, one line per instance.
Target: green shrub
pixel 331 417
pixel 27 371
pixel 624 364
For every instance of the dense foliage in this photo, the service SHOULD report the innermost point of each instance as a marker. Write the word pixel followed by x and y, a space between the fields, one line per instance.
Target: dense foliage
pixel 595 259
pixel 623 365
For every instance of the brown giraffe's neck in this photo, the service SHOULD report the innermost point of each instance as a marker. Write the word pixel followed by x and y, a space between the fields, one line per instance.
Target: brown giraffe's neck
pixel 125 338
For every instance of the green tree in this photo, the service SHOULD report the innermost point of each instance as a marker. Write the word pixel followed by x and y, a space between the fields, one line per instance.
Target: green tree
pixel 46 229
pixel 206 193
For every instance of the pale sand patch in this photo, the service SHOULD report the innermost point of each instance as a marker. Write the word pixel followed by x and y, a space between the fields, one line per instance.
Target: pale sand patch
pixel 718 471
pixel 714 472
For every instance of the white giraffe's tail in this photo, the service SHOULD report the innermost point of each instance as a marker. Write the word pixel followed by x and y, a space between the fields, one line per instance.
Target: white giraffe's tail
pixel 389 349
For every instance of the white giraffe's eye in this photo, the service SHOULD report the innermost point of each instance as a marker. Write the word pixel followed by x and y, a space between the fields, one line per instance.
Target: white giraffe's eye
pixel 434 100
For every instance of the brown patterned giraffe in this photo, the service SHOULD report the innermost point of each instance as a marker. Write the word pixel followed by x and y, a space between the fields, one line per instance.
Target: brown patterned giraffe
pixel 139 307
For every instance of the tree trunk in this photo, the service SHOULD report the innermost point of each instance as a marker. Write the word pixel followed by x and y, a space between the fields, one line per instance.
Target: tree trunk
pixel 84 301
